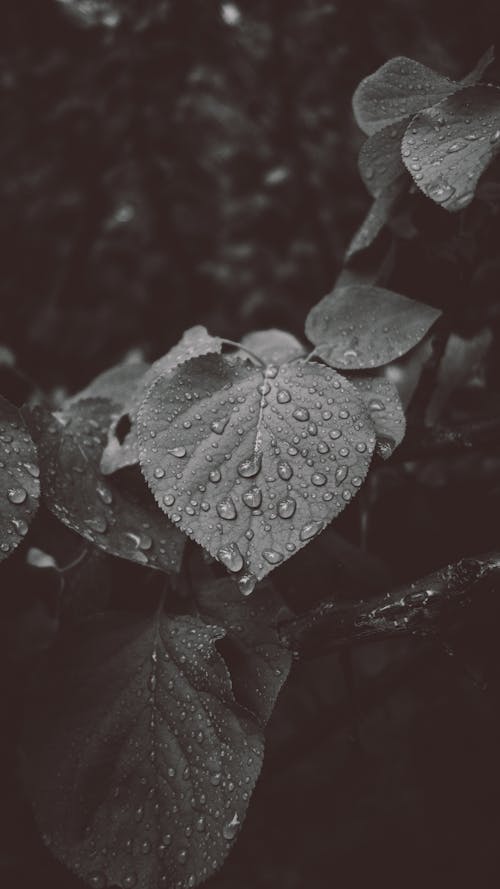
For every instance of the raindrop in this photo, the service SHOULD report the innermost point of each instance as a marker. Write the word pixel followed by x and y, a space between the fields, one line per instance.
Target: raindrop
pixel 322 448
pixel 350 355
pixel 226 509
pixel 252 498
pixel 361 447
pixel 318 479
pixel 272 556
pixel 286 508
pixel 495 137
pixel 177 452
pixel 159 472
pixel 230 829
pixel 247 583
pixel 214 476
pixel 17 495
pixel 283 396
pixel 441 192
pixel 301 414
pixel 251 466
pixel 218 426
pixel 182 856
pixel 231 557
pixel 285 471
pixel 376 405
pixel 334 434
pixel 341 474
pixel 310 530
pixel 168 499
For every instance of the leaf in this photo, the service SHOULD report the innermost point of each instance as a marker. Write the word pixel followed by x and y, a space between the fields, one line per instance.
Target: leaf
pixel 120 453
pixel 447 148
pixel 138 761
pixel 260 664
pixel 273 346
pixel 364 327
pixel 397 90
pixel 386 411
pixel 379 161
pixel 70 446
pixel 377 217
pixel 114 384
pixel 253 464
pixel 19 482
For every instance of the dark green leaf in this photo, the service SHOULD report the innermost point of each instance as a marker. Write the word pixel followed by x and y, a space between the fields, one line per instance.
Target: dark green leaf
pixel 386 411
pixel 70 447
pixel 272 346
pixel 19 483
pixel 121 452
pixel 115 384
pixel 260 664
pixel 377 217
pixel 379 161
pixel 364 327
pixel 139 762
pixel 250 463
pixel 397 90
pixel 447 148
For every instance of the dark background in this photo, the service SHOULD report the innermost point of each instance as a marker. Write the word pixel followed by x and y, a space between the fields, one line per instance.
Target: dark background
pixel 169 163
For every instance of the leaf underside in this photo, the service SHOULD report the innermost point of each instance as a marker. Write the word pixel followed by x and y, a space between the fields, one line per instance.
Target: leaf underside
pixel 99 509
pixel 361 327
pixel 19 482
pixel 447 148
pixel 386 411
pixel 253 464
pixel 138 761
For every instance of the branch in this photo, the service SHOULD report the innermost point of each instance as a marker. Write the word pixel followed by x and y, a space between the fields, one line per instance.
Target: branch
pixel 415 609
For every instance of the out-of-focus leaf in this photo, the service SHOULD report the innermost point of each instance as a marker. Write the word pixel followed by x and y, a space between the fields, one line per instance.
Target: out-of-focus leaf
pixel 70 447
pixel 448 147
pixel 115 384
pixel 364 327
pixel 138 761
pixel 385 409
pixel 379 161
pixel 260 663
pixel 378 215
pixel 460 359
pixel 482 64
pixel 250 463
pixel 19 478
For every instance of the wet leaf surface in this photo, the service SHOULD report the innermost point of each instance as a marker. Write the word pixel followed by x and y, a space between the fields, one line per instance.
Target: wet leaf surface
pixel 123 451
pixel 379 161
pixel 253 464
pixel 362 327
pixel 273 346
pixel 259 663
pixel 19 478
pixel 114 384
pixel 386 411
pixel 397 90
pixel 70 447
pixel 138 761
pixel 447 148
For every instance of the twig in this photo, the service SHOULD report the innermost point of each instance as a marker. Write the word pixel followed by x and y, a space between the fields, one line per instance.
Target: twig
pixel 427 382
pixel 417 608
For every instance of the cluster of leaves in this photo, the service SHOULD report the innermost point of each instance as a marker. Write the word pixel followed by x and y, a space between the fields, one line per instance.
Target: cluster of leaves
pixel 146 736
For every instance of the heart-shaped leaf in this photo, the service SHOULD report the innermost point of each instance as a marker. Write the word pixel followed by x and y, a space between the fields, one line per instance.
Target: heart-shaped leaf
pixel 386 411
pixel 124 451
pixel 260 663
pixel 19 482
pixel 447 148
pixel 138 761
pixel 364 327
pixel 397 90
pixel 253 464
pixel 70 446
pixel 273 346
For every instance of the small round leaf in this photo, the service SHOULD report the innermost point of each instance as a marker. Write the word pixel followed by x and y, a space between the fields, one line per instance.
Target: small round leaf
pixel 19 478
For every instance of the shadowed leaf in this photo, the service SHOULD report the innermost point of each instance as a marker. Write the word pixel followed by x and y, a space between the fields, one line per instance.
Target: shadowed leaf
pixel 19 483
pixel 447 148
pixel 364 327
pixel 379 161
pixel 378 215
pixel 273 346
pixel 70 447
pixel 386 411
pixel 251 463
pixel 114 384
pixel 260 665
pixel 138 761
